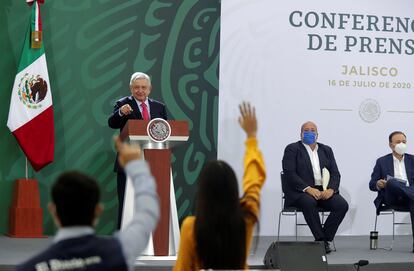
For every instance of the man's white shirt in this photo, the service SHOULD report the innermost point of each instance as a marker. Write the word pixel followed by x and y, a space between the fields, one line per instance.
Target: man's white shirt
pixel 399 170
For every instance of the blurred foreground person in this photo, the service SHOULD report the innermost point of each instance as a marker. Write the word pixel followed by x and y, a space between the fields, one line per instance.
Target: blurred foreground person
pixel 75 210
pixel 220 234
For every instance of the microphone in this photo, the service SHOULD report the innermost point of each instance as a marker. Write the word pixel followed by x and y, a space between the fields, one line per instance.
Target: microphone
pixel 360 263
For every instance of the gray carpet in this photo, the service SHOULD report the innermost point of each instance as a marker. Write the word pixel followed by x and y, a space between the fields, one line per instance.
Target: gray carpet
pixel 349 250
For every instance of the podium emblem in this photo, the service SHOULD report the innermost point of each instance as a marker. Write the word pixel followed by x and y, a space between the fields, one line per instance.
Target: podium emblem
pixel 159 130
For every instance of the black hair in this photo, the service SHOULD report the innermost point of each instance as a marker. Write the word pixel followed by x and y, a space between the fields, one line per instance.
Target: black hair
pixel 393 134
pixel 220 228
pixel 75 196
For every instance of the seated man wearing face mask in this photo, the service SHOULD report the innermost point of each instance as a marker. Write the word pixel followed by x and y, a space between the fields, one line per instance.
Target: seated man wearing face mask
pixel 393 177
pixel 303 163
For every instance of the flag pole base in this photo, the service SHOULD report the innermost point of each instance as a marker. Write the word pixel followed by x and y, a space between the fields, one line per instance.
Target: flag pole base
pixel 26 215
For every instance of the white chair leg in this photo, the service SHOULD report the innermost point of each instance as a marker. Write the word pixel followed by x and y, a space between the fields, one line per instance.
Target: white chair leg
pixel 278 227
pixel 296 225
pixel 393 229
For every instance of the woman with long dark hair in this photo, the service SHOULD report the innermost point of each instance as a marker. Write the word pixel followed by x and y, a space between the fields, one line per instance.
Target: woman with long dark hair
pixel 220 233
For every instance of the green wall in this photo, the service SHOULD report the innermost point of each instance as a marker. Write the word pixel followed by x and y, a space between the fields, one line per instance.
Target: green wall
pixel 92 48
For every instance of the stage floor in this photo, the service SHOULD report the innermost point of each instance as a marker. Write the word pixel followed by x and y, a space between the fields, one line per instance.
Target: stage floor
pixel 350 249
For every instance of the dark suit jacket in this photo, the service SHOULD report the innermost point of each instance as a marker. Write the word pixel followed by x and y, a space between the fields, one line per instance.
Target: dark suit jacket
pixel 108 249
pixel 115 121
pixel 385 166
pixel 298 173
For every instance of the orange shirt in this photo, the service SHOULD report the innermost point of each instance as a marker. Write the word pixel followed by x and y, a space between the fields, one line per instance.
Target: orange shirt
pixel 253 179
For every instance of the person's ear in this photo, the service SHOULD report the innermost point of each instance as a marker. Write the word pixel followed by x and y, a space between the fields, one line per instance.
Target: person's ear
pixel 98 211
pixel 52 210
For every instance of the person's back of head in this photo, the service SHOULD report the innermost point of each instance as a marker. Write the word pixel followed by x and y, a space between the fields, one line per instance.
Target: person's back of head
pixel 75 196
pixel 220 228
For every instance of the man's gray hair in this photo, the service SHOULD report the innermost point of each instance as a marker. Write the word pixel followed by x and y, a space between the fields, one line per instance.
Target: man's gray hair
pixel 139 75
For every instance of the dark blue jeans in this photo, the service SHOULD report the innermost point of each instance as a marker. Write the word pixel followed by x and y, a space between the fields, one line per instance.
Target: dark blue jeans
pixel 336 205
pixel 399 196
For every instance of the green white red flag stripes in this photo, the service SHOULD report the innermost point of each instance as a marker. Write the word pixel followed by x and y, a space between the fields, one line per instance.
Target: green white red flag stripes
pixel 31 110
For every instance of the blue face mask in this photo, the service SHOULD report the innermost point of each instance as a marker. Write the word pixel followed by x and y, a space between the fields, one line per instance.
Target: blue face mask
pixel 309 137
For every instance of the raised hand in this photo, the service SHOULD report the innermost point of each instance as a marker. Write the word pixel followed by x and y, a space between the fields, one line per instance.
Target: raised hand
pixel 126 152
pixel 247 119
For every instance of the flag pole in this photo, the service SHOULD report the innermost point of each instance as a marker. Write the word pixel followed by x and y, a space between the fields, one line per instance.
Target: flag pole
pixel 31 113
pixel 27 177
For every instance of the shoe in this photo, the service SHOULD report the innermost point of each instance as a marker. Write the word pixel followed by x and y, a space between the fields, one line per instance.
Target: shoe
pixel 327 247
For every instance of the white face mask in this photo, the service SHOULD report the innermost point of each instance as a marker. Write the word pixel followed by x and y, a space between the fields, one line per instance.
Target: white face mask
pixel 400 148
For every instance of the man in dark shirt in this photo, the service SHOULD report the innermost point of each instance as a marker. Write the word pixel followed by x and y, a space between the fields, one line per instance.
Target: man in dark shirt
pixel 136 106
pixel 75 210
pixel 303 165
pixel 393 178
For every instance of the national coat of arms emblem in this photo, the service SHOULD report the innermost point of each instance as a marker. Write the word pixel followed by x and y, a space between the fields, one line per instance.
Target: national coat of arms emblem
pixel 32 90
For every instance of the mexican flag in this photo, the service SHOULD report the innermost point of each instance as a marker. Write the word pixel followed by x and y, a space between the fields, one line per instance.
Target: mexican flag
pixel 31 109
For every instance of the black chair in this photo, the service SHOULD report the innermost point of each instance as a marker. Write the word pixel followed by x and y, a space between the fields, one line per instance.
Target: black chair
pixel 386 210
pixel 293 211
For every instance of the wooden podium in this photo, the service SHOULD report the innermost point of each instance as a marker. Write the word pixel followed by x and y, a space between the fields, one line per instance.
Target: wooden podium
pixel 156 137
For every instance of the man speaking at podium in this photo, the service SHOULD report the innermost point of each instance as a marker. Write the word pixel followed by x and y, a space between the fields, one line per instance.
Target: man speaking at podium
pixel 136 106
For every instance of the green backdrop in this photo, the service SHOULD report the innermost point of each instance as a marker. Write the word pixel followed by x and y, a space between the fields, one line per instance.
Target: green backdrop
pixel 92 48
